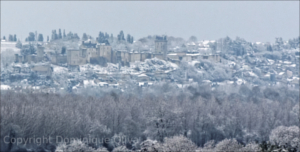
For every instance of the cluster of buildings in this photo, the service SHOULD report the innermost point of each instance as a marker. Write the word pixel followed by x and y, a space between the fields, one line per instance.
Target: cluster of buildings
pixel 88 52
pixel 102 53
pixel 98 52
pixel 253 68
pixel 39 62
pixel 28 57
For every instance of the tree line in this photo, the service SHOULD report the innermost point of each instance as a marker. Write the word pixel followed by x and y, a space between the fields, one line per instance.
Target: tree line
pixel 246 114
pixel 240 46
pixel 11 38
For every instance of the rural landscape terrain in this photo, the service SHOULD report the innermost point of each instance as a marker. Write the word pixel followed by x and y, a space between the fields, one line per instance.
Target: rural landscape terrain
pixel 90 92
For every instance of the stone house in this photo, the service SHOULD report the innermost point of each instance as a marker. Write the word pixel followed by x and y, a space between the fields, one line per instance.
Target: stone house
pixel 43 70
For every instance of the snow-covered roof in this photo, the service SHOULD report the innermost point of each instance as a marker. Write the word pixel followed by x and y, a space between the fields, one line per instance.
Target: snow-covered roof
pixel 197 54
pixel 142 75
pixel 5 87
pixel 89 83
pixel 252 74
pixel 240 81
pixel 193 62
pixel 287 62
pixel 206 81
pixel 102 83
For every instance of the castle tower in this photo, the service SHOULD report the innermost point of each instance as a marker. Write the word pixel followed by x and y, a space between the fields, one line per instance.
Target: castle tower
pixel 40 53
pixel 161 45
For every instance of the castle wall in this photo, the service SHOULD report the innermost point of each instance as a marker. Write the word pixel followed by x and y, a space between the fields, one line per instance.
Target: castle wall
pixel 61 59
pixel 40 53
pixel 135 57
pixel 91 53
pixel 159 56
pixel 42 70
pixel 105 51
pixel 125 57
pixel 145 56
pixel 74 57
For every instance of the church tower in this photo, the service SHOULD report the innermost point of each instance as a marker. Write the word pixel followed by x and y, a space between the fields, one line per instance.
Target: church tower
pixel 161 45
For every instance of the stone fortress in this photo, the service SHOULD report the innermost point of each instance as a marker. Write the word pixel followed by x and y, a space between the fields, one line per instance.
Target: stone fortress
pixel 27 57
pixel 100 53
pixel 89 52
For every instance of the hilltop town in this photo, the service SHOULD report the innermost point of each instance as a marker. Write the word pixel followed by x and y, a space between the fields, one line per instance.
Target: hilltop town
pixel 134 76
pixel 71 64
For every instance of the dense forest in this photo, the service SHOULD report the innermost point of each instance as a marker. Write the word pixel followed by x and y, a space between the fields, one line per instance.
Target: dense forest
pixel 157 117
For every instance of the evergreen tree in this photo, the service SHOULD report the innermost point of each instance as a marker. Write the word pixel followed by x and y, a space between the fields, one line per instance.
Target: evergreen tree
pixel 15 38
pixel 121 36
pixel 64 34
pixel 278 44
pixel 59 34
pixel 213 46
pixel 47 38
pixel 10 38
pixel 269 48
pixel 106 36
pixel 31 37
pixel 111 37
pixel 35 36
pixel 4 38
pixel 128 38
pixel 54 35
pixel 70 35
pixel 40 38
pixel 101 37
pixel 19 44
pixel 84 37
pixel 193 39
pixel 76 36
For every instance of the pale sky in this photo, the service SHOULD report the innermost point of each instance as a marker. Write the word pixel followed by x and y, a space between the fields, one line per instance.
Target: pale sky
pixel 252 20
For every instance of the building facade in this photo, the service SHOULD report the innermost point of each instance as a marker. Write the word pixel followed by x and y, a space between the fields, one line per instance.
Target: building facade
pixel 161 45
pixel 89 51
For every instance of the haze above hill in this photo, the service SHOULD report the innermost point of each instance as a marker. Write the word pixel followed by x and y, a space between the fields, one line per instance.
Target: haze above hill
pixel 254 21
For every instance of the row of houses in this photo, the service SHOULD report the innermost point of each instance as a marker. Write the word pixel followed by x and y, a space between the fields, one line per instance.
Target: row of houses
pixel 102 52
pixel 42 70
pixel 29 56
pixel 187 57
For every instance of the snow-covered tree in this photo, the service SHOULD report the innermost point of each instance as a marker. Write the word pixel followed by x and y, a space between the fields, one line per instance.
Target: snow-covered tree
pixel 178 143
pixel 285 136
pixel 74 146
pixel 228 145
